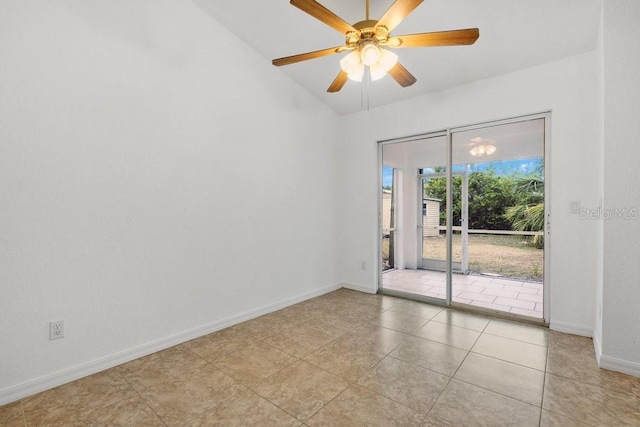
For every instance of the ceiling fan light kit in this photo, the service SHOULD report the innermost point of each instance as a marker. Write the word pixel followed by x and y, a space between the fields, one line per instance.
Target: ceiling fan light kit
pixel 482 147
pixel 369 42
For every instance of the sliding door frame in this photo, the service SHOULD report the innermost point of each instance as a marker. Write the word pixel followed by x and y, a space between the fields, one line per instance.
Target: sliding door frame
pixel 546 115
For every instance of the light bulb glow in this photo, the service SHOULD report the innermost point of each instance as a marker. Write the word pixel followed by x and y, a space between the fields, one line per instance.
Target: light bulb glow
pixel 352 65
pixel 387 61
pixel 481 150
pixel 370 54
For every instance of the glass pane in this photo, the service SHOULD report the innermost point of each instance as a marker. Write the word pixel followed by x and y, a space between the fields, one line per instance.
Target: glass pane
pixel 414 203
pixel 501 217
pixel 388 218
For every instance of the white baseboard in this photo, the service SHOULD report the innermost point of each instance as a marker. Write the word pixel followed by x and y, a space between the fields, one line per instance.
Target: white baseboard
pixel 37 385
pixel 597 348
pixel 359 288
pixel 619 365
pixel 570 328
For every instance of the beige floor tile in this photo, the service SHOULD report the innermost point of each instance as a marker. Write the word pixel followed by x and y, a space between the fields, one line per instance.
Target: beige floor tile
pixel 349 336
pixel 381 301
pixel 346 358
pixel 506 378
pixel 522 353
pixel 318 306
pixel 303 339
pixel 376 338
pixel 357 406
pixel 188 400
pixel 124 413
pixel 11 415
pixel 461 319
pixel 62 405
pixel 160 367
pixel 399 321
pixel 434 422
pixel 248 409
pixel 253 363
pixel 415 308
pixel 469 405
pixel 413 386
pixel 551 419
pixel 297 314
pixel 448 334
pixel 217 344
pixel 301 389
pixel 268 323
pixel 573 357
pixel 345 320
pixel 519 331
pixel 587 403
pixel 441 358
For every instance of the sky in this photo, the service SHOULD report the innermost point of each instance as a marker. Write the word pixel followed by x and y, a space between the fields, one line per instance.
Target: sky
pixel 501 168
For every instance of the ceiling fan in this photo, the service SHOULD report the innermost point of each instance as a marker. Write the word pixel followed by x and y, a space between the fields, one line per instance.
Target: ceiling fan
pixel 368 41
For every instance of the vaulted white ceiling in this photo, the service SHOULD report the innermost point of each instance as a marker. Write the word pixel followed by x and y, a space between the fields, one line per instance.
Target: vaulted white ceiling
pixel 514 34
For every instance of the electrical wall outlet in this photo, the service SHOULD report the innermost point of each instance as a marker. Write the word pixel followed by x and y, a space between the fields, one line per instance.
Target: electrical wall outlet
pixel 56 330
pixel 363 266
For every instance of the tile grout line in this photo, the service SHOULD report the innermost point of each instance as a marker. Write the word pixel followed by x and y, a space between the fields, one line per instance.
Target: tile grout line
pixel 139 395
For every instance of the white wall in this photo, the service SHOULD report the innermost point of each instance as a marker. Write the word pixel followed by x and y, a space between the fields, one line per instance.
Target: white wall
pixel 597 330
pixel 158 178
pixel 566 87
pixel 621 276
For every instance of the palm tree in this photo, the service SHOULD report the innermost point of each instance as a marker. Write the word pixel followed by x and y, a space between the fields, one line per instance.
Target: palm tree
pixel 528 214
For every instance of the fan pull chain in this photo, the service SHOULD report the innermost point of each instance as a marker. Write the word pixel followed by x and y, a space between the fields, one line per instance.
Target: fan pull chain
pixel 364 91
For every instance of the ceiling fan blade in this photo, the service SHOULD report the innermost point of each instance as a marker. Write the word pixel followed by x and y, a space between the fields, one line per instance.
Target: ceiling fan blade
pixel 323 14
pixel 402 76
pixel 440 38
pixel 306 56
pixel 339 81
pixel 397 12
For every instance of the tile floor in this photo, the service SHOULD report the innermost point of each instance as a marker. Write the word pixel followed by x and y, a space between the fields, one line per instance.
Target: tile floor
pixel 497 293
pixel 349 359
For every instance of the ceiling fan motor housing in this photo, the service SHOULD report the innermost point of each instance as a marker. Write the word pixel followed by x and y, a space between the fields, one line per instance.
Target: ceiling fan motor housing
pixel 367 32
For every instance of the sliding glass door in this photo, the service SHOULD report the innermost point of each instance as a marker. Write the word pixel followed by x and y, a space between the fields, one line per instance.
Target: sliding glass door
pixel 470 217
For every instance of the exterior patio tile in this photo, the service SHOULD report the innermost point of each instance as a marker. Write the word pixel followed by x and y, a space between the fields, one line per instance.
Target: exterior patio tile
pixel 521 289
pixel 528 297
pixel 501 293
pixel 478 297
pixel 491 306
pixel 507 282
pixel 487 285
pixel 527 305
pixel 477 290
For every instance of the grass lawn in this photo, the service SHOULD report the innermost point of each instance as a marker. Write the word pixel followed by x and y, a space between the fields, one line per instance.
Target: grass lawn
pixel 508 256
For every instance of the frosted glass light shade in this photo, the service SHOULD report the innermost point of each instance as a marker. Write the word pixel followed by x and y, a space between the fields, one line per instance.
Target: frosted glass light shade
pixel 370 54
pixel 353 66
pixel 482 150
pixel 387 61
